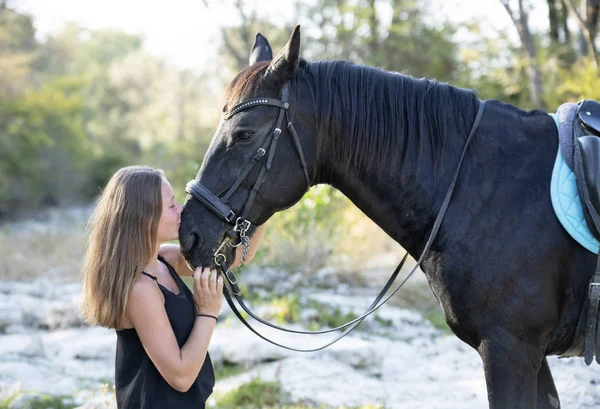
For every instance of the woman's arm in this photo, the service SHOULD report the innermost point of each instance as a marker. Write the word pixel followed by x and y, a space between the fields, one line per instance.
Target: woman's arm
pixel 172 253
pixel 146 311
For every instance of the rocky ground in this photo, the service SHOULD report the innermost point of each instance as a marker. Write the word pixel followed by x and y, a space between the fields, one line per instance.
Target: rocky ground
pixel 398 360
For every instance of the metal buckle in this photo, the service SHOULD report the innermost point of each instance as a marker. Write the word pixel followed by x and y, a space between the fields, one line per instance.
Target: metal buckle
pixel 260 153
pixel 241 225
pixel 236 245
pixel 217 258
pixel 230 216
pixel 594 290
pixel 230 277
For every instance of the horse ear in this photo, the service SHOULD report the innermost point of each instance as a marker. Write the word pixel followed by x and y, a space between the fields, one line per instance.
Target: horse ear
pixel 284 65
pixel 261 50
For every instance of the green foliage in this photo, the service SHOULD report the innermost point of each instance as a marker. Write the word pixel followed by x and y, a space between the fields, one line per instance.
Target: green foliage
pixel 42 146
pixel 40 402
pixel 76 106
pixel 50 402
pixel 438 321
pixel 356 31
pixel 288 308
pixel 17 32
pixel 225 370
pixel 254 394
pixel 7 400
pixel 329 317
pixel 580 81
pixel 258 394
pixel 305 235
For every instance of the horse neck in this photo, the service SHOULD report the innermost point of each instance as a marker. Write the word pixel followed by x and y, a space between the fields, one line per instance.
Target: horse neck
pixel 404 195
pixel 404 201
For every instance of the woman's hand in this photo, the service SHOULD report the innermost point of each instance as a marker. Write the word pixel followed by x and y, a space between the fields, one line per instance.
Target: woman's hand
pixel 208 291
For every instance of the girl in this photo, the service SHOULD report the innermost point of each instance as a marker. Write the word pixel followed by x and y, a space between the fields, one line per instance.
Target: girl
pixel 132 284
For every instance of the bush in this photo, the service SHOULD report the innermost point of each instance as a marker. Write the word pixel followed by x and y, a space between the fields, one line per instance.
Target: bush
pixel 254 394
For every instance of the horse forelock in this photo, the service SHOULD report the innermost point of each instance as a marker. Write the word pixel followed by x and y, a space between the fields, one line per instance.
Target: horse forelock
pixel 245 85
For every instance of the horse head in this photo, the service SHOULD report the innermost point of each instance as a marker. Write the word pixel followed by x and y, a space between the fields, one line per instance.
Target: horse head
pixel 256 163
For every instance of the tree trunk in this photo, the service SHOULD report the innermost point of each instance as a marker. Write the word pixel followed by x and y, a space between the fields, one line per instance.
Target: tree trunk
pixel 553 18
pixel 534 74
pixel 374 27
pixel 587 24
pixel 592 17
pixel 564 17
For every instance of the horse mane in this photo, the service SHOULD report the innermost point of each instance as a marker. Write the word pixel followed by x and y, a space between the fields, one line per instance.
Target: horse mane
pixel 381 114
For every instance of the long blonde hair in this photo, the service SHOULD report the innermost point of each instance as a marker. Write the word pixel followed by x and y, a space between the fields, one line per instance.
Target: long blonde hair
pixel 122 238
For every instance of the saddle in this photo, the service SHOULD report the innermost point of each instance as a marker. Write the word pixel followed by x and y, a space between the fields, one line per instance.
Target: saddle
pixel 579 136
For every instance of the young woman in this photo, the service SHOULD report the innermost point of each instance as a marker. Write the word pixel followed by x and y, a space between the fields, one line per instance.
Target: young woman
pixel 132 284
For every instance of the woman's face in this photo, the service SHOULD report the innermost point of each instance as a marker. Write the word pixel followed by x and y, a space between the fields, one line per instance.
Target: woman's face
pixel 170 219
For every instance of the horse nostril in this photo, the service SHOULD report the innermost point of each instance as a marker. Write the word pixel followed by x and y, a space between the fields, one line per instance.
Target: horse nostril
pixel 190 242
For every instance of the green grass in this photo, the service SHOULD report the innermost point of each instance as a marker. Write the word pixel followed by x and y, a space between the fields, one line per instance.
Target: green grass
pixel 438 321
pixel 51 402
pixel 40 402
pixel 6 401
pixel 258 394
pixel 254 394
pixel 226 370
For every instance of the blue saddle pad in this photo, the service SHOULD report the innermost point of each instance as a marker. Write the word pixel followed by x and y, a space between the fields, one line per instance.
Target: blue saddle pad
pixel 566 203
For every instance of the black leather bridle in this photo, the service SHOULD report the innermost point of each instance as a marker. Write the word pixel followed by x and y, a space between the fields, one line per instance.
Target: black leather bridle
pixel 219 205
pixel 221 208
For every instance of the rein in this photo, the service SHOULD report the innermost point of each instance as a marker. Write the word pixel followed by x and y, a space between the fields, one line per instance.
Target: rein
pixel 240 225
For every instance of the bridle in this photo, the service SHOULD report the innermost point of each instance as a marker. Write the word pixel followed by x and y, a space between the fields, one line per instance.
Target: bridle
pixel 220 206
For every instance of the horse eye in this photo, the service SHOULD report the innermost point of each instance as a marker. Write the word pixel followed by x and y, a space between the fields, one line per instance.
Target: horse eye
pixel 244 135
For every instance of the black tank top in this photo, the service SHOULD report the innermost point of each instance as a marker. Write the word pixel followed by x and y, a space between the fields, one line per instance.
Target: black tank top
pixel 138 384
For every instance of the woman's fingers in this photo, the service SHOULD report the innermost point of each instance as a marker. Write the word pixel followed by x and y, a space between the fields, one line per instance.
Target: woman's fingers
pixel 212 283
pixel 196 276
pixel 220 283
pixel 208 279
pixel 204 278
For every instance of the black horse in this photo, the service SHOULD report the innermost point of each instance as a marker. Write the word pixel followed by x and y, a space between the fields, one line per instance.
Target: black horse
pixel 508 277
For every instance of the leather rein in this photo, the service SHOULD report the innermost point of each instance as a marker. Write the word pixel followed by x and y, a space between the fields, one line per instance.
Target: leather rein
pixel 220 206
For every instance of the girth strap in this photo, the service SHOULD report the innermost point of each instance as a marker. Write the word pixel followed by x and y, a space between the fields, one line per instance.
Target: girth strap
pixel 593 325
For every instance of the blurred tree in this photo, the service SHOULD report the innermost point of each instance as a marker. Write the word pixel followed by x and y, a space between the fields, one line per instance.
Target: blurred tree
pixel 355 31
pixel 557 17
pixel 587 18
pixel 393 34
pixel 17 51
pixel 237 39
pixel 520 18
pixel 43 156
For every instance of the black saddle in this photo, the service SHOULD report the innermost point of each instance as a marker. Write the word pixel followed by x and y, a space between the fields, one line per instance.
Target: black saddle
pixel 586 163
pixel 586 130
